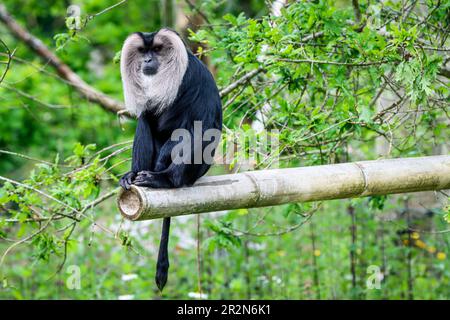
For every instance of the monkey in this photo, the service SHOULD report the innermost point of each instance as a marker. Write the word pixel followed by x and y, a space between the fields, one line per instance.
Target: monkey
pixel 168 89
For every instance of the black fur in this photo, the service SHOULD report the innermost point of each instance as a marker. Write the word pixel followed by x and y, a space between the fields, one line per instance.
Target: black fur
pixel 147 38
pixel 197 100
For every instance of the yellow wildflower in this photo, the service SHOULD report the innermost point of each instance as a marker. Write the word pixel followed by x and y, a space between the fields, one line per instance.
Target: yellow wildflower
pixel 415 235
pixel 317 252
pixel 441 256
pixel 420 244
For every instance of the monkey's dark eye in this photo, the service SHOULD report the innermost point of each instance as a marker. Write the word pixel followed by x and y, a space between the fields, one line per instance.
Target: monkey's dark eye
pixel 157 48
pixel 141 49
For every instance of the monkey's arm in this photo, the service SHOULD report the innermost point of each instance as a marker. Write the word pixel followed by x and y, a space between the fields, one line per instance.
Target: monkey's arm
pixel 143 149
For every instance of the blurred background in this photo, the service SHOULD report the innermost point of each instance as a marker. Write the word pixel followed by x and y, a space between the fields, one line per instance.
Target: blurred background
pixel 340 80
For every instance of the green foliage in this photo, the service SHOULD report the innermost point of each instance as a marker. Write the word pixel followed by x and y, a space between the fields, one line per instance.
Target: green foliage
pixel 224 237
pixel 327 83
pixel 447 213
pixel 418 75
pixel 377 202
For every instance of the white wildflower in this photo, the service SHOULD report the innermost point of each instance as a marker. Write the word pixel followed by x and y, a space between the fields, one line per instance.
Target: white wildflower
pixel 197 295
pixel 128 277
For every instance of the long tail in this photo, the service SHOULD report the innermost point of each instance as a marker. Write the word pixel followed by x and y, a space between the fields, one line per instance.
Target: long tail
pixel 162 266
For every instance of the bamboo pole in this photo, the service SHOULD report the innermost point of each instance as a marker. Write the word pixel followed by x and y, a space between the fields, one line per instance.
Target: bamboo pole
pixel 279 186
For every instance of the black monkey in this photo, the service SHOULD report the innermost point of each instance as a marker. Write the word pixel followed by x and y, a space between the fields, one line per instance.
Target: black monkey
pixel 168 88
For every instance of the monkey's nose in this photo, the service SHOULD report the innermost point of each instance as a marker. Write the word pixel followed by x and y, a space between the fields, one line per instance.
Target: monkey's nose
pixel 148 60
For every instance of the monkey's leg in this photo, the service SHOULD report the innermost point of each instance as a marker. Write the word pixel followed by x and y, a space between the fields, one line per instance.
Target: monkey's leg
pixel 143 149
pixel 174 173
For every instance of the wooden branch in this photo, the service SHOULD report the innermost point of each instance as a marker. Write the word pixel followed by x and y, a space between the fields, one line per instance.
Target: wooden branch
pixel 280 186
pixel 247 77
pixel 62 69
pixel 337 63
pixel 357 11
pixel 445 72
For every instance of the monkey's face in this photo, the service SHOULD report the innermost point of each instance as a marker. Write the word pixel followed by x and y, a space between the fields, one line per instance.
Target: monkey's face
pixel 149 60
pixel 152 66
pixel 148 53
pixel 145 52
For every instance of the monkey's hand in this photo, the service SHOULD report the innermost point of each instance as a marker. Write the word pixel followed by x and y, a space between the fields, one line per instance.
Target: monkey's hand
pixel 144 179
pixel 127 180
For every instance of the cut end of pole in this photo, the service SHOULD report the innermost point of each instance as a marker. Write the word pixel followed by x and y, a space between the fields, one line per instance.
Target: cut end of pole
pixel 130 203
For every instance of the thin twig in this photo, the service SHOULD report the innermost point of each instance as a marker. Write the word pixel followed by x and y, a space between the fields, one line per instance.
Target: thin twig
pixel 337 63
pixel 107 9
pixel 246 77
pixel 8 62
pixel 31 158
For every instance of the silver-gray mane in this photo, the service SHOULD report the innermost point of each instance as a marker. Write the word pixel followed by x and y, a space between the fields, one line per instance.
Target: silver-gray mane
pixel 158 91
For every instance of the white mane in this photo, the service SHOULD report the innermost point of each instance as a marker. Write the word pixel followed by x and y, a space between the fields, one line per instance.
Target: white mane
pixel 158 91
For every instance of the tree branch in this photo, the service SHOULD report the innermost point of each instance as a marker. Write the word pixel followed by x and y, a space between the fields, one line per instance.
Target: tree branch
pixel 62 69
pixel 337 63
pixel 240 81
pixel 357 11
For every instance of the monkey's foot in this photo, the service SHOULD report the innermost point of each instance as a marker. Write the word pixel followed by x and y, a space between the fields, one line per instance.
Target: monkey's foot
pixel 127 180
pixel 144 179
